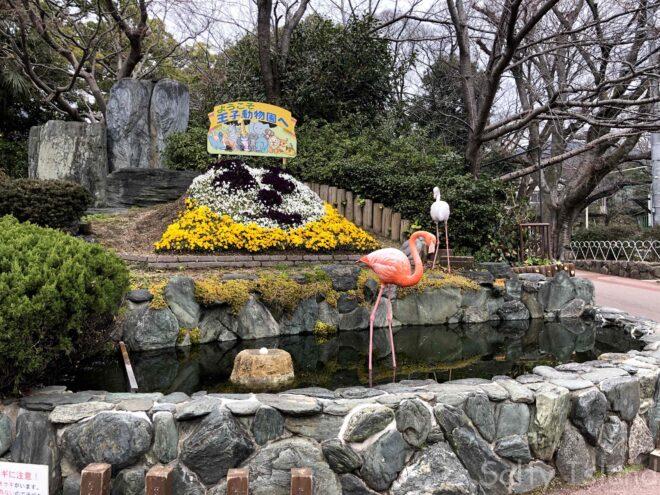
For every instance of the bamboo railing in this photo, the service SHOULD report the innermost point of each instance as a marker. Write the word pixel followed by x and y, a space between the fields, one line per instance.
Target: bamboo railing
pixel 363 212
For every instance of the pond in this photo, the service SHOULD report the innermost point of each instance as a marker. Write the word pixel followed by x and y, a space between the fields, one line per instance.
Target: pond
pixel 445 352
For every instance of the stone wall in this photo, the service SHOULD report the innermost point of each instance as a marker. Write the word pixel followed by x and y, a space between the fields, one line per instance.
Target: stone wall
pixel 632 269
pixel 140 115
pixel 521 298
pixel 468 436
pixel 73 151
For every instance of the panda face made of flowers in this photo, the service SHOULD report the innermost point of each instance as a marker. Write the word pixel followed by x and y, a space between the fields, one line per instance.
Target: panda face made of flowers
pixel 268 197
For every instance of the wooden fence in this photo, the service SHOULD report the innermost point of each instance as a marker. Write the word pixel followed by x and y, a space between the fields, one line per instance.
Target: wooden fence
pixel 95 480
pixel 371 216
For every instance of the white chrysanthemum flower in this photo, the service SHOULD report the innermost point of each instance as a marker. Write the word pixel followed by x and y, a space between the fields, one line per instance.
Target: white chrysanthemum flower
pixel 243 204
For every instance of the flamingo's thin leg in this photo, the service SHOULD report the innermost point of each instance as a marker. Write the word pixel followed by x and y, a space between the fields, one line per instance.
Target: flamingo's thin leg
pixel 371 324
pixel 389 325
pixel 447 244
pixel 437 234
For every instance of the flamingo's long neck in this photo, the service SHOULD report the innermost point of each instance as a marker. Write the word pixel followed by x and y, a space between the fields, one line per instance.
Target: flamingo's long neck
pixel 417 273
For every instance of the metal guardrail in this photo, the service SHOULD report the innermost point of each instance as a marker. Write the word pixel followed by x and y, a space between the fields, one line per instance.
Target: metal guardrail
pixel 648 251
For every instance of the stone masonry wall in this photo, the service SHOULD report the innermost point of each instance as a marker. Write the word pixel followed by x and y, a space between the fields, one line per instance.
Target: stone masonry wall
pixel 631 269
pixel 523 297
pixel 468 436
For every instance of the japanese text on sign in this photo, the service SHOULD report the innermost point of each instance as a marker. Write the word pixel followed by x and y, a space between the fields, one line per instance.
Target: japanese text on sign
pixel 252 128
pixel 23 479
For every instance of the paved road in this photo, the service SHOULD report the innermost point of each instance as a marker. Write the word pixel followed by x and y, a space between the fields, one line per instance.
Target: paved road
pixel 644 482
pixel 637 297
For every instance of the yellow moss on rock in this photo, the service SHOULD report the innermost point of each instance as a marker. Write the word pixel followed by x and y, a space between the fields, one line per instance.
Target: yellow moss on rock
pixel 157 290
pixel 236 293
pixel 437 280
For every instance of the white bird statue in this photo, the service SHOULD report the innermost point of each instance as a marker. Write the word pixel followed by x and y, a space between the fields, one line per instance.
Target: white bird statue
pixel 440 213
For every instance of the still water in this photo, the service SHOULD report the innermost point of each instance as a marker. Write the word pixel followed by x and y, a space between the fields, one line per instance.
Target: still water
pixel 439 352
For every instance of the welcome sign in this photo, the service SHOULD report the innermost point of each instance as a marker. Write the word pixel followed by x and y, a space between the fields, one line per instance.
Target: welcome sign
pixel 252 128
pixel 23 479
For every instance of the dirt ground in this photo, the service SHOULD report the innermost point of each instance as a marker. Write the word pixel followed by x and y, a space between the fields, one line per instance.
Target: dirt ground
pixel 642 482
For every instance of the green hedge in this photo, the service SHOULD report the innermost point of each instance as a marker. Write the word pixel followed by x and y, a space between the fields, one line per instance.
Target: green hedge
pixel 616 232
pixel 58 295
pixel 400 169
pixel 49 203
pixel 187 150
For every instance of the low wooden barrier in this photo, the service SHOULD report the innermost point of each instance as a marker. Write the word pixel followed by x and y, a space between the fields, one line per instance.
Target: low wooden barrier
pixel 364 212
pixel 95 480
pixel 547 270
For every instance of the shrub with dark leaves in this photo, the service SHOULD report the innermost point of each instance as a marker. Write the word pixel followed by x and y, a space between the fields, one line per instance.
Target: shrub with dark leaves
pixel 49 203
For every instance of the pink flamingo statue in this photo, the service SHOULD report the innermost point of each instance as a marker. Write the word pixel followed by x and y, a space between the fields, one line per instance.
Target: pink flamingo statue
pixel 440 213
pixel 393 268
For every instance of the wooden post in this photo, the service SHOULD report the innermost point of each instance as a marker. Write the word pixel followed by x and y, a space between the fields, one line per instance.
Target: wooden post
pixel 130 375
pixel 341 201
pixel 349 206
pixel 368 214
pixel 405 226
pixel 357 212
pixel 395 232
pixel 332 196
pixel 323 192
pixel 386 225
pixel 95 479
pixel 378 218
pixel 160 480
pixel 238 481
pixel 301 481
pixel 316 187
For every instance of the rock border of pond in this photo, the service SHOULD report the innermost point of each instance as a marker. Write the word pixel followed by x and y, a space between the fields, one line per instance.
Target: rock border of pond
pixel 471 436
pixel 181 319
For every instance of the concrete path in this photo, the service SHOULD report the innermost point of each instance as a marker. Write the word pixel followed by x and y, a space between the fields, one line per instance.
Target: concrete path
pixel 637 297
pixel 644 482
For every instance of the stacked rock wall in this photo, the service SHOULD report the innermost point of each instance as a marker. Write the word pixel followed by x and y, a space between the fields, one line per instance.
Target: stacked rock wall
pixel 468 436
pixel 524 297
pixel 632 269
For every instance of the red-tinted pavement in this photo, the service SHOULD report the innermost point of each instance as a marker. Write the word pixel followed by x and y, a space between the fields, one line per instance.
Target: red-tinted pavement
pixel 637 297
pixel 639 483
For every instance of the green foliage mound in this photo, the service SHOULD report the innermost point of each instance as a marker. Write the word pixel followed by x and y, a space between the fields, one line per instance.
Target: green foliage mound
pixel 49 203
pixel 187 150
pixel 57 296
pixel 399 169
pixel 616 232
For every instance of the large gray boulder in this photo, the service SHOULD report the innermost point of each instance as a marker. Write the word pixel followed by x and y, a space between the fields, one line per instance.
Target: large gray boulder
pixel 576 459
pixel 435 469
pixel 612 446
pixel 413 420
pixel 166 437
pixel 127 119
pixel 217 444
pixel 512 419
pixel 482 413
pixel 146 187
pixel 180 296
pixel 268 425
pixel 383 460
pixel 5 434
pixel 147 329
pixel 118 438
pixel 129 482
pixel 547 424
pixel 36 443
pixel 340 456
pixel 270 468
pixel 622 395
pixel 430 307
pixel 367 422
pixel 168 113
pixel 588 412
pixel 73 151
pixel 640 440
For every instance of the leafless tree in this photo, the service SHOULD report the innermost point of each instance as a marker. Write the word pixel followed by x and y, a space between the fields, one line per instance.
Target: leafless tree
pixel 69 50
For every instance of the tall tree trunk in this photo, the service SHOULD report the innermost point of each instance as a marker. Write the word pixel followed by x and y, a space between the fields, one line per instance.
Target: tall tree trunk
pixel 264 44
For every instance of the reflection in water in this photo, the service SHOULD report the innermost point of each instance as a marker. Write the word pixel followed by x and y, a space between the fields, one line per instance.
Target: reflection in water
pixel 439 352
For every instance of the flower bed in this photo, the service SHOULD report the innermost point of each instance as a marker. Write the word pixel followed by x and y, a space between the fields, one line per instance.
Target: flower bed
pixel 235 207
